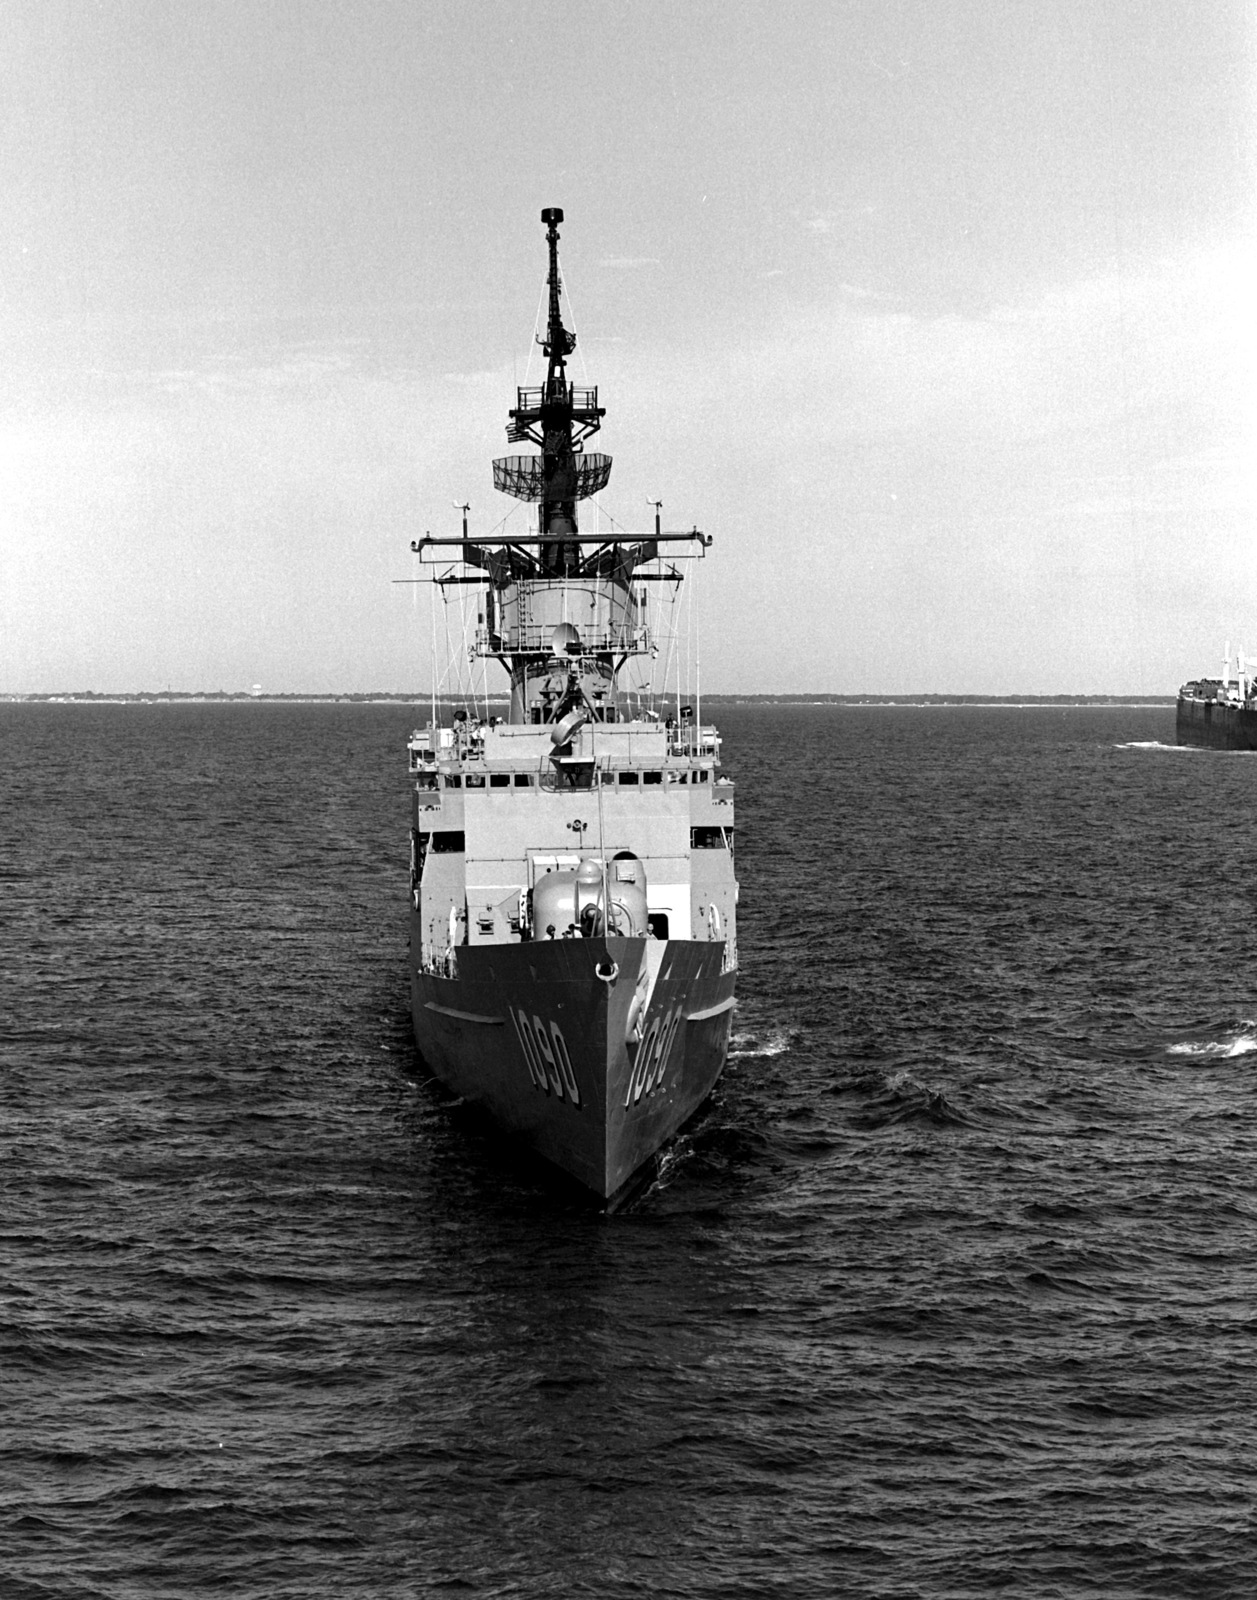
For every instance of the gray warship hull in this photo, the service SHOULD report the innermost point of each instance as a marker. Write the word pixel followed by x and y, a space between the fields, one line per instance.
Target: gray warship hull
pixel 559 1056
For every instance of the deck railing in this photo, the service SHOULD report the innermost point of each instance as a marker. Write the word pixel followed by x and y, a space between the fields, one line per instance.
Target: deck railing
pixel 538 639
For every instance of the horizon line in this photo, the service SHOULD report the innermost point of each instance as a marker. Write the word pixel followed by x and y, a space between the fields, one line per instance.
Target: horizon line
pixel 714 697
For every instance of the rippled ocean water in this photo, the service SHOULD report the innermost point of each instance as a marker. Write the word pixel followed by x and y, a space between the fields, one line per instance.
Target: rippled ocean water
pixel 951 1290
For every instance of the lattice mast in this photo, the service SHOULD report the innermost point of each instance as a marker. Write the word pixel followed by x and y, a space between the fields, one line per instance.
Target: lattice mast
pixel 562 609
pixel 559 417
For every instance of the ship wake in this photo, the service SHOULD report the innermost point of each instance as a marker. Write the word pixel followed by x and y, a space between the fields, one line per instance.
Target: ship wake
pixel 1240 1041
pixel 762 1042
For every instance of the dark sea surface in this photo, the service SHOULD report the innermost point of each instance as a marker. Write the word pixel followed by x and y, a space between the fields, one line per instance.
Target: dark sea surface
pixel 951 1290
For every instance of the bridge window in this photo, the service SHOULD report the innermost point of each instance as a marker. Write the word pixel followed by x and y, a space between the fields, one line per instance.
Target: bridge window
pixel 451 843
pixel 499 780
pixel 652 777
pixel 575 775
pixel 628 777
pixel 523 780
pixel 710 838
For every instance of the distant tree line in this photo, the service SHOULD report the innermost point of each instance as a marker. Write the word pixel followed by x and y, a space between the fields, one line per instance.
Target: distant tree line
pixel 419 697
pixel 938 699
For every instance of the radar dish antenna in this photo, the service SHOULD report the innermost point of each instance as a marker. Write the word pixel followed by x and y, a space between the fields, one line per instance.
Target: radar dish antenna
pixel 565 640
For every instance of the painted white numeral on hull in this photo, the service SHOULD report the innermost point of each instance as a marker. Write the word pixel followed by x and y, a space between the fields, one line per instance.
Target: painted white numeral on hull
pixel 565 1063
pixel 652 1057
pixel 546 1055
pixel 523 1029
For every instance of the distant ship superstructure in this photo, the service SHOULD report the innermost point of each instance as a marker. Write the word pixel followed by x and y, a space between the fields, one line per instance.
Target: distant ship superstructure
pixel 573 918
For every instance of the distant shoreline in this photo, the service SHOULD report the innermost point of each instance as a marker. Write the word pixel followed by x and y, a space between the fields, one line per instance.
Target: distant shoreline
pixel 175 697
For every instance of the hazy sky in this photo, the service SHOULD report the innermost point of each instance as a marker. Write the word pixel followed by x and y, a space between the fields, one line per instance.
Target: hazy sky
pixel 938 315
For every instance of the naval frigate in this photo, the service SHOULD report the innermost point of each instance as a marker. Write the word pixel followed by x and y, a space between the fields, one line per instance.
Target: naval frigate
pixel 573 921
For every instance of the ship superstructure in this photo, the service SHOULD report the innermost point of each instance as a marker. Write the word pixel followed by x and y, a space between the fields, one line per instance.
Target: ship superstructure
pixel 573 900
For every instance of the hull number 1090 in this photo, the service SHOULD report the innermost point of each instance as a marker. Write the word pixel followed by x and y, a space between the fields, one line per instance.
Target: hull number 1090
pixel 545 1051
pixel 652 1057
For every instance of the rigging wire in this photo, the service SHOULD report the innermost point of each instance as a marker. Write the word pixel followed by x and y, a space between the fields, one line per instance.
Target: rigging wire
pixel 449 653
pixel 571 311
pixel 698 660
pixel 536 341
pixel 432 661
pixel 673 664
